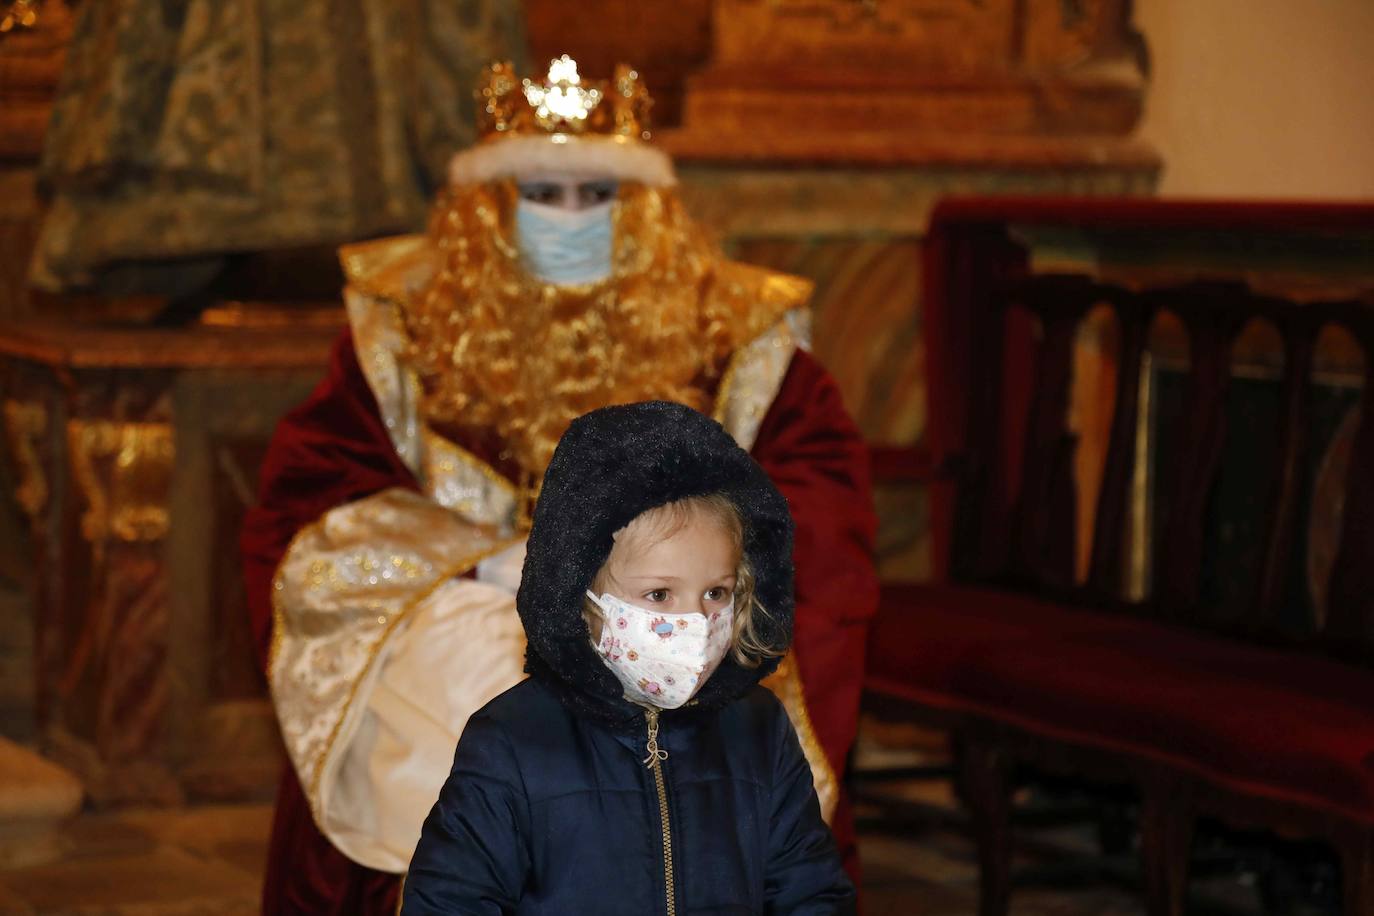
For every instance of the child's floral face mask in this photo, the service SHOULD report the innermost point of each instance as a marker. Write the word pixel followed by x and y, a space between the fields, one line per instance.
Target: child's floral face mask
pixel 661 659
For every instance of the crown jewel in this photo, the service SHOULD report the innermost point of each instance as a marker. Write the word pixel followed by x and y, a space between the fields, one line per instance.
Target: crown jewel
pixel 562 102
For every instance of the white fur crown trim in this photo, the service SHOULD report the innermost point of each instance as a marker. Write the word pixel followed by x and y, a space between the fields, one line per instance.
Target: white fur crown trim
pixel 516 155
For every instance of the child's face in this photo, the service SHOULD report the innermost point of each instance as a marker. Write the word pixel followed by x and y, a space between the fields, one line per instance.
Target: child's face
pixel 682 568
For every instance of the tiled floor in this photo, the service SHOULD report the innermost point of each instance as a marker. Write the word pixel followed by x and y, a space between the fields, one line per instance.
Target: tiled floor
pixel 933 872
pixel 207 861
pixel 148 863
pixel 937 877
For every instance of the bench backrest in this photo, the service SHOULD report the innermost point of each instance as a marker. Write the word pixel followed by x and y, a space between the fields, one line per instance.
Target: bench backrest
pixel 1002 338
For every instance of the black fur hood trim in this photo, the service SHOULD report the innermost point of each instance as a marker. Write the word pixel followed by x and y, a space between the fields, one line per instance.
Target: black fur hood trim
pixel 611 465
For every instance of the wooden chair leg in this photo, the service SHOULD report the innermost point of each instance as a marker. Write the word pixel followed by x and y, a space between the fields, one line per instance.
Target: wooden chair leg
pixel 1357 872
pixel 986 781
pixel 1167 820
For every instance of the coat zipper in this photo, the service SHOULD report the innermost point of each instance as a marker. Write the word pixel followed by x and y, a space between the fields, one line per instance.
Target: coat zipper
pixel 654 761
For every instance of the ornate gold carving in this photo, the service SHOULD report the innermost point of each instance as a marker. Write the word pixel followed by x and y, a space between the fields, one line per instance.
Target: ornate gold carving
pixel 21 14
pixel 26 423
pixel 33 44
pixel 123 470
pixel 266 316
pixel 1069 33
pixel 881 16
pixel 906 36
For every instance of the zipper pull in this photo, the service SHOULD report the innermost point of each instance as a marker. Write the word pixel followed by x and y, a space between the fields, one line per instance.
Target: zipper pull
pixel 656 754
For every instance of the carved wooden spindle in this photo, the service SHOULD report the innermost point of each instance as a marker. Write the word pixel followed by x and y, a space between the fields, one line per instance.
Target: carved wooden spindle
pixel 1357 873
pixel 986 771
pixel 1210 312
pixel 1044 535
pixel 1300 338
pixel 979 548
pixel 978 363
pixel 1351 615
pixel 1113 502
pixel 1167 822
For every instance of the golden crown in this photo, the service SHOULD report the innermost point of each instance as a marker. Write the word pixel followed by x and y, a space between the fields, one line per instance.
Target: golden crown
pixel 562 102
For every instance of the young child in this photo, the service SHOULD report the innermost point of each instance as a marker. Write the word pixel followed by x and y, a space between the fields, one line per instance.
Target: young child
pixel 640 769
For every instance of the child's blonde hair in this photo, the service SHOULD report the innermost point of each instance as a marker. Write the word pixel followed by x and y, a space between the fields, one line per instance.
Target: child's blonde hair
pixel 746 645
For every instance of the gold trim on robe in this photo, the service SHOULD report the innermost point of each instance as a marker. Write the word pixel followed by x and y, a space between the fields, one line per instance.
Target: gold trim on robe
pixel 344 587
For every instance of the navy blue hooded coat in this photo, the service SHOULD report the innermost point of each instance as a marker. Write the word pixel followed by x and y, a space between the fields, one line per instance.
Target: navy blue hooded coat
pixel 554 805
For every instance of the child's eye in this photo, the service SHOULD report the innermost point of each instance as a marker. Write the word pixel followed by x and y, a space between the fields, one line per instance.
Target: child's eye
pixel 657 595
pixel 719 593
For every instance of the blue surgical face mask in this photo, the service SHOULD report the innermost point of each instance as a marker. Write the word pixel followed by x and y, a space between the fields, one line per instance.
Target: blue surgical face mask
pixel 565 247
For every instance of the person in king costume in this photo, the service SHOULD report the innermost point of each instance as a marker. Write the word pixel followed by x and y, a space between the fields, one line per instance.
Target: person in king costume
pixel 560 273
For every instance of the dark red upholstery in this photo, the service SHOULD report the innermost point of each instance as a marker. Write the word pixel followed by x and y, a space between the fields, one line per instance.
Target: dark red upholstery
pixel 1276 724
pixel 924 635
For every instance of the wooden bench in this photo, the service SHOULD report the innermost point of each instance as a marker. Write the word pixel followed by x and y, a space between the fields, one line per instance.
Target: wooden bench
pixel 1167 639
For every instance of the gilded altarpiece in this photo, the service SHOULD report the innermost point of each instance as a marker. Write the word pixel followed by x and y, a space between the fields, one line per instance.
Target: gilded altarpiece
pixel 135 452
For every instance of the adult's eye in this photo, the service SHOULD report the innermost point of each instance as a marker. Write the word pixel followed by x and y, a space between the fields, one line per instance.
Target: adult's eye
pixel 595 192
pixel 541 193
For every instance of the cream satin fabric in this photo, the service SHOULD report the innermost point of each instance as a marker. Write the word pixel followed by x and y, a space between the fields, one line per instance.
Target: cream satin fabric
pixel 350 586
pixel 462 647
